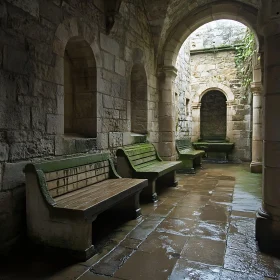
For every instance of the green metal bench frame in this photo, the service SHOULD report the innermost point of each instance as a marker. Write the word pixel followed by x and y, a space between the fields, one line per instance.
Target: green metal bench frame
pixel 143 161
pixel 64 197
pixel 188 155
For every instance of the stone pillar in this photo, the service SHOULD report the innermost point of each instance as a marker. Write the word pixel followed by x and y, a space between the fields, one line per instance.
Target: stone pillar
pixel 257 139
pixel 195 121
pixel 166 77
pixel 229 135
pixel 268 218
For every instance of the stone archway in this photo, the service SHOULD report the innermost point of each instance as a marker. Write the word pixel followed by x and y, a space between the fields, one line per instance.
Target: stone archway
pixel 167 58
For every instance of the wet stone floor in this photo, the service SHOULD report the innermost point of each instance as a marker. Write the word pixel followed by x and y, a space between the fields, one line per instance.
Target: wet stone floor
pixel 202 229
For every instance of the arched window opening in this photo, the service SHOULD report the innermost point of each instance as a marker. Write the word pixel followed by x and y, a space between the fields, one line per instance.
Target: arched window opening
pixel 213 116
pixel 139 100
pixel 79 89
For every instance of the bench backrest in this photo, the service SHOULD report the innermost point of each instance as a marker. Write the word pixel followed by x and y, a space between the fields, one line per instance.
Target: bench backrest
pixel 139 154
pixel 66 175
pixel 184 144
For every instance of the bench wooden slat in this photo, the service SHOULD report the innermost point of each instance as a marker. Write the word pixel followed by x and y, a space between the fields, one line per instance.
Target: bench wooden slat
pixel 66 199
pixel 76 178
pixel 50 176
pixel 90 199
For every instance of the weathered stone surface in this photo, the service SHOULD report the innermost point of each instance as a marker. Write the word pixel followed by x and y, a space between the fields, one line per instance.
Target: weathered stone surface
pixel 15 60
pixel 31 7
pixel 120 66
pixel 13 175
pixel 108 44
pixel 115 139
pixel 4 151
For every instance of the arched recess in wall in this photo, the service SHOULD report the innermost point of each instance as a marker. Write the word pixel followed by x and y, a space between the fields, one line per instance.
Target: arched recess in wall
pixel 139 99
pixel 213 116
pixel 80 114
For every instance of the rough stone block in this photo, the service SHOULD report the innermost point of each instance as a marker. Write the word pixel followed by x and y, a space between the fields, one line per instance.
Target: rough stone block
pixel 109 61
pixel 31 7
pixel 15 60
pixel 108 44
pixel 104 86
pixel 120 66
pixel 13 175
pixel 50 11
pixel 102 141
pixel 64 145
pixel 108 101
pixel 55 124
pixel 6 202
pixel 4 151
pixel 115 139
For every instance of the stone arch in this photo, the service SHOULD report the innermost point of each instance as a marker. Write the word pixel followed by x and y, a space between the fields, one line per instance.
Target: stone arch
pixel 213 86
pixel 73 28
pixel 227 10
pixel 139 99
pixel 196 108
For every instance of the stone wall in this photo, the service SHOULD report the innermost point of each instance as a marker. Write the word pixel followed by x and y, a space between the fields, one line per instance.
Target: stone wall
pixel 182 92
pixel 33 38
pixel 212 67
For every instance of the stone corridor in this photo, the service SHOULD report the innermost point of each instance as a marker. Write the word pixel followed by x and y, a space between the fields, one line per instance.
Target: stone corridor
pixel 203 229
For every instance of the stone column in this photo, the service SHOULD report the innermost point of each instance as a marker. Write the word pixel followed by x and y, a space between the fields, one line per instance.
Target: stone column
pixel 196 121
pixel 166 77
pixel 229 121
pixel 256 164
pixel 268 218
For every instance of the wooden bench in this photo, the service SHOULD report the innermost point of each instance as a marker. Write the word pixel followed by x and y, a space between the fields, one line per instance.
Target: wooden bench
pixel 64 197
pixel 143 161
pixel 188 155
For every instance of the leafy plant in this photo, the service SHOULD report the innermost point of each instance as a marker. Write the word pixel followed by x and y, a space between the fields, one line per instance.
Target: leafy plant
pixel 243 58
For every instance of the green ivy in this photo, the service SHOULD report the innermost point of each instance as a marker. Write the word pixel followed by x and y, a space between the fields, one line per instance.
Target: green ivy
pixel 243 58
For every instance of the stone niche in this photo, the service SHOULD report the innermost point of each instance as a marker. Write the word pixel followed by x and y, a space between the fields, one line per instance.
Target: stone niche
pixel 213 116
pixel 79 89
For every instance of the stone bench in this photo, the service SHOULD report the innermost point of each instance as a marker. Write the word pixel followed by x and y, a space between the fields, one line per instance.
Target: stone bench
pixel 223 147
pixel 143 161
pixel 64 197
pixel 188 155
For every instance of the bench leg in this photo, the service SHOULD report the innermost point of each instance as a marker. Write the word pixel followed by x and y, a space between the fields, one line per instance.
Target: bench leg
pixel 73 237
pixel 130 206
pixel 149 193
pixel 197 161
pixel 170 179
pixel 188 165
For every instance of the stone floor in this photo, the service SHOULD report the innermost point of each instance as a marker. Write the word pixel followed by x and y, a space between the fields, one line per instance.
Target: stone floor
pixel 203 229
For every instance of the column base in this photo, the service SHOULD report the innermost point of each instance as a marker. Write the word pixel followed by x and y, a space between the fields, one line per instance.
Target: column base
pixel 256 167
pixel 267 232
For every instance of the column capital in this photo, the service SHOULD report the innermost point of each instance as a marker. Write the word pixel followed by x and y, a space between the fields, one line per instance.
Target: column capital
pixel 230 103
pixel 196 105
pixel 167 71
pixel 256 88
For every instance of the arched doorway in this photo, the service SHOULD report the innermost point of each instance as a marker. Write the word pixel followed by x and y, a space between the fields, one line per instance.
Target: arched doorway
pixel 79 89
pixel 213 116
pixel 139 100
